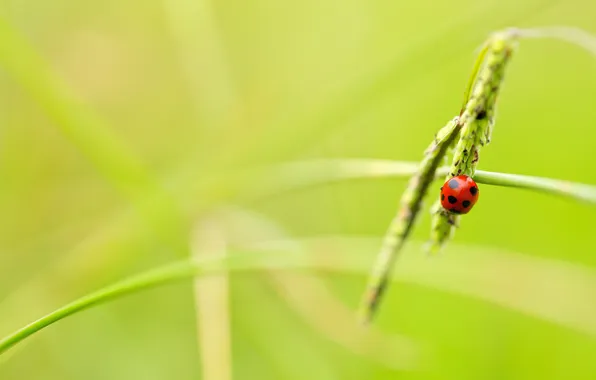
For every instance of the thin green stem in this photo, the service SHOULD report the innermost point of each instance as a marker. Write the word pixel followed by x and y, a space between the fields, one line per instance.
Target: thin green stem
pixel 176 271
pixel 147 280
pixel 577 191
pixel 304 174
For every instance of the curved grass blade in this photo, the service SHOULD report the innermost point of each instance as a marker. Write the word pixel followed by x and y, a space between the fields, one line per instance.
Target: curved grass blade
pixel 475 271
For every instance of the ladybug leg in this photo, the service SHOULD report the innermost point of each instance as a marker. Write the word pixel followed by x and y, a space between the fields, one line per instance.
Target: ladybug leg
pixel 489 130
pixel 453 220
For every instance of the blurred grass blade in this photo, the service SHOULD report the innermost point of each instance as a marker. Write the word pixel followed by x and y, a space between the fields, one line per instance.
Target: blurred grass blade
pixel 317 305
pixel 573 35
pixel 202 56
pixel 85 130
pixel 556 291
pixel 293 176
pixel 299 130
pixel 78 123
pixel 308 296
pixel 474 271
pixel 212 309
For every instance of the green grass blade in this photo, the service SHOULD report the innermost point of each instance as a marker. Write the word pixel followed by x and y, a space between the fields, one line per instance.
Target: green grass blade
pixel 304 174
pixel 578 191
pixel 153 278
pixel 169 273
pixel 475 271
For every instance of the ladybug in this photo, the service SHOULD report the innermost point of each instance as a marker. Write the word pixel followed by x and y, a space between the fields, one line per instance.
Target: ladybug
pixel 459 194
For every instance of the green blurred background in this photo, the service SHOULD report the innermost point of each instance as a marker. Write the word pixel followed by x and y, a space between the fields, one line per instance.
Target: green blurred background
pixel 194 91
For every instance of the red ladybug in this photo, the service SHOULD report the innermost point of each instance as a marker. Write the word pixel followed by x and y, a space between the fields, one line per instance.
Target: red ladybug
pixel 459 194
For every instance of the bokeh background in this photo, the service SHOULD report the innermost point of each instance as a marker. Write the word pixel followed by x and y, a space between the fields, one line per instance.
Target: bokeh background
pixel 122 123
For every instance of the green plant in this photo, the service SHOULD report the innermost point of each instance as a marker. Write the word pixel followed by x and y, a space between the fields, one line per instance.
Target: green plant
pixel 469 132
pixel 316 173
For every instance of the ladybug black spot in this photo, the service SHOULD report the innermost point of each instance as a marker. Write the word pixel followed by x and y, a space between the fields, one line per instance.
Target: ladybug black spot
pixel 452 199
pixel 466 204
pixel 473 190
pixel 442 197
pixel 453 184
